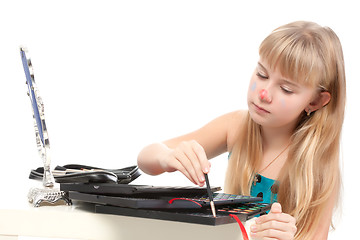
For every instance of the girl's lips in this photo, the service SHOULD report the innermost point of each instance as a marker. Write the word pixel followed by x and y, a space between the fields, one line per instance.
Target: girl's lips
pixel 260 109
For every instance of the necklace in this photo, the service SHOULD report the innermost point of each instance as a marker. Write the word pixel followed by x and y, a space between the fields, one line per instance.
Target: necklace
pixel 256 178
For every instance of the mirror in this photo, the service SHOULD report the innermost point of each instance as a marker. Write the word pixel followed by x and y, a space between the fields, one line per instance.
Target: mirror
pixel 47 193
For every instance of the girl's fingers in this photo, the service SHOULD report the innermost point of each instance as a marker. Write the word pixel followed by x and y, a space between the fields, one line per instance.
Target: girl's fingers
pixel 194 160
pixel 272 234
pixel 274 225
pixel 176 164
pixel 195 163
pixel 201 155
pixel 273 230
pixel 280 217
pixel 183 171
pixel 189 158
pixel 184 165
pixel 276 208
pixel 276 215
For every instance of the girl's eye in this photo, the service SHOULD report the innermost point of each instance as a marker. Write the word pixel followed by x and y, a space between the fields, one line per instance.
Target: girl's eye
pixel 262 76
pixel 286 90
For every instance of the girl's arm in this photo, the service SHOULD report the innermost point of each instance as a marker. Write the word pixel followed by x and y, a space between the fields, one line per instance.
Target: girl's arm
pixel 189 153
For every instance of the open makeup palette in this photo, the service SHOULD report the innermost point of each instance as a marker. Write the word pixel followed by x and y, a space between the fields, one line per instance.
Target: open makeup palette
pixel 184 204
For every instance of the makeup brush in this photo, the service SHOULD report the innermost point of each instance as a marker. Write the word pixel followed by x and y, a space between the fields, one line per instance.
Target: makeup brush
pixel 210 193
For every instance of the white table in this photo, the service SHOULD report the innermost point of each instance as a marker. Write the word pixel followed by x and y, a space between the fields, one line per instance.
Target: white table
pixel 19 218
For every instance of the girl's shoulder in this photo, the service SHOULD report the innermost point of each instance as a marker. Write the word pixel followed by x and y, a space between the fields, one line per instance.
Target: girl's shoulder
pixel 236 120
pixel 239 115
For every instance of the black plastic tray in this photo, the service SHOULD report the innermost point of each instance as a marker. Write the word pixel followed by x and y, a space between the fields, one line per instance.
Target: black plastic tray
pixel 204 217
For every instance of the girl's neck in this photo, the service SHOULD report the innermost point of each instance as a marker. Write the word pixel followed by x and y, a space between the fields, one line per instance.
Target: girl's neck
pixel 275 150
pixel 275 138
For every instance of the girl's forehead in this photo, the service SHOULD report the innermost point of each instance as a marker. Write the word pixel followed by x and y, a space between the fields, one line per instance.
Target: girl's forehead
pixel 265 66
pixel 290 72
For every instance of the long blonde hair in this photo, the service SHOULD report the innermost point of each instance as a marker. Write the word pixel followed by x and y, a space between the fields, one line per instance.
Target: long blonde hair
pixel 312 55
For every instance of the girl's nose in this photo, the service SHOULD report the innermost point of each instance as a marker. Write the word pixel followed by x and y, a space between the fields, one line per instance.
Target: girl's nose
pixel 264 96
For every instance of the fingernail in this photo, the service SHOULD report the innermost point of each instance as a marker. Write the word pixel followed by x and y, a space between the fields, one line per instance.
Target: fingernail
pixel 253 228
pixel 276 208
pixel 206 170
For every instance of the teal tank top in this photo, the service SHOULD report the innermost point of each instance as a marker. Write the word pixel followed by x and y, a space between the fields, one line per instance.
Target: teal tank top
pixel 266 188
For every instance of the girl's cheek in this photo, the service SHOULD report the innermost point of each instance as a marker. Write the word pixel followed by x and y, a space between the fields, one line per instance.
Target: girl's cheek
pixel 282 103
pixel 253 86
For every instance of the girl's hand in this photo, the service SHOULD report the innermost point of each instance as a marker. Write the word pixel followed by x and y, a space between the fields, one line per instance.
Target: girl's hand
pixel 275 225
pixel 189 158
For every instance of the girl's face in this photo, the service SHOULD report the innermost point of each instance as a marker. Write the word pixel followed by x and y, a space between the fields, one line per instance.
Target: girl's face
pixel 275 101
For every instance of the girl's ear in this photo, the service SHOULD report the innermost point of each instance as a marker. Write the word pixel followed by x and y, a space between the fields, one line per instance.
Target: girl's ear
pixel 320 101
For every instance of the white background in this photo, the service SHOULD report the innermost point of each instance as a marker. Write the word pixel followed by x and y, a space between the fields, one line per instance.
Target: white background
pixel 117 75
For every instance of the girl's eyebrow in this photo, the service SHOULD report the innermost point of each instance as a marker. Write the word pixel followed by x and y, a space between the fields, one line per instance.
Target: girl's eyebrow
pixel 283 79
pixel 261 66
pixel 290 83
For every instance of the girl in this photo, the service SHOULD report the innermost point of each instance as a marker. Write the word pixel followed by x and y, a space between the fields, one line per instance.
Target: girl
pixel 285 147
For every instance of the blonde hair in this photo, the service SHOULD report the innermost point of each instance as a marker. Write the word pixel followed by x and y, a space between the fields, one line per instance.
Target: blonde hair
pixel 312 55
